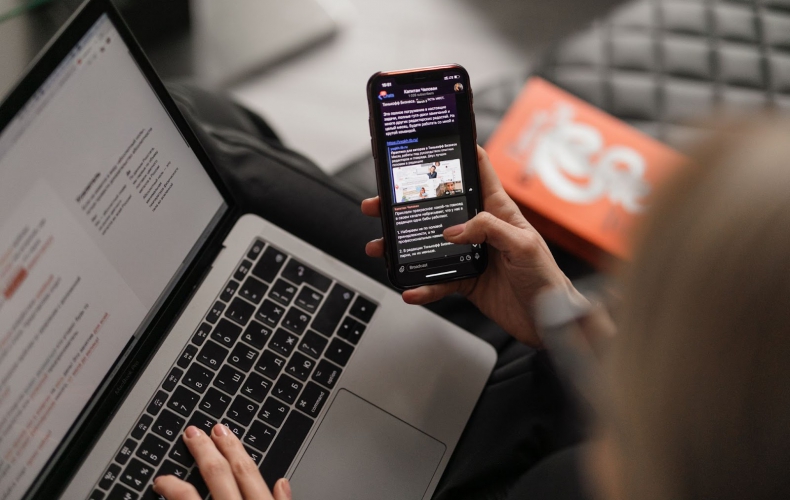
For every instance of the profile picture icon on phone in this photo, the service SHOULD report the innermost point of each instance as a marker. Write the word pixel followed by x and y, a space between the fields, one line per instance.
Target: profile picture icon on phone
pixel 458 87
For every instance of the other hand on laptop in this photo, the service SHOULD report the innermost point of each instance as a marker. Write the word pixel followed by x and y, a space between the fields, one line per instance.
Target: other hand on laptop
pixel 227 469
pixel 520 263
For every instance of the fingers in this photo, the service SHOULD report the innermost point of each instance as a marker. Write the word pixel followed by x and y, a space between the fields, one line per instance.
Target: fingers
pixel 489 180
pixel 486 228
pixel 431 293
pixel 214 467
pixel 372 207
pixel 282 490
pixel 173 488
pixel 375 248
pixel 244 470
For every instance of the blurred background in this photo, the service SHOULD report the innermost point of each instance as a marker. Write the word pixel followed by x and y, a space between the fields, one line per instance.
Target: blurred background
pixel 303 64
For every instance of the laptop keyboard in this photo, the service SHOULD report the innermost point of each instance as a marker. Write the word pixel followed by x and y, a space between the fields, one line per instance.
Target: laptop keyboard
pixel 263 362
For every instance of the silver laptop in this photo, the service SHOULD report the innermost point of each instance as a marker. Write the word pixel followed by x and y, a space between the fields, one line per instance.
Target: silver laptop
pixel 135 300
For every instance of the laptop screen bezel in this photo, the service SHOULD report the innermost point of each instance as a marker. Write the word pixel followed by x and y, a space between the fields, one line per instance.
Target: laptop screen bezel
pixel 111 392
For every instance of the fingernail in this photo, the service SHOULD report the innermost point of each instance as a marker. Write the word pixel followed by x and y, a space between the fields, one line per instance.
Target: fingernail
pixel 155 487
pixel 220 430
pixel 287 488
pixel 192 432
pixel 454 230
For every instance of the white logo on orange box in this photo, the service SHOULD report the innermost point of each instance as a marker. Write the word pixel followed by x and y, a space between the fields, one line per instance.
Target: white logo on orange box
pixel 570 158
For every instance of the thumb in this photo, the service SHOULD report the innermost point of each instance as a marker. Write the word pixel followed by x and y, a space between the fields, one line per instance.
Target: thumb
pixel 486 228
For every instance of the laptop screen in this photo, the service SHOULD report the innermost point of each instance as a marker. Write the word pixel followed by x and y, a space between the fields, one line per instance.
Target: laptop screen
pixel 102 205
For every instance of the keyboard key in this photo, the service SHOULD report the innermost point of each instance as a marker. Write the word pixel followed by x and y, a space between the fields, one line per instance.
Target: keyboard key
pixel 183 401
pixel 285 447
pixel 212 355
pixel 96 495
pixel 333 310
pixel 170 468
pixel 214 403
pixel 242 410
pixel 269 265
pixel 300 366
pixel 253 290
pixel 229 379
pixel 243 357
pixel 256 387
pixel 234 428
pixel 273 412
pixel 327 374
pixel 151 495
pixel 254 454
pixel 269 313
pixel 313 344
pixel 187 356
pixel 283 342
pixel 121 492
pixel 296 321
pixel 282 292
pixel 201 334
pixel 287 389
pixel 240 311
pixel 309 299
pixel 242 270
pixel 168 425
pixel 142 425
pixel 137 474
pixel 202 422
pixel 172 379
pixel 215 312
pixel 298 273
pixel 109 476
pixel 259 436
pixel 157 403
pixel 226 333
pixel 125 452
pixel 196 480
pixel 198 378
pixel 339 352
pixel 229 290
pixel 312 399
pixel 180 453
pixel 256 334
pixel 152 449
pixel 363 309
pixel 255 250
pixel 351 330
pixel 270 364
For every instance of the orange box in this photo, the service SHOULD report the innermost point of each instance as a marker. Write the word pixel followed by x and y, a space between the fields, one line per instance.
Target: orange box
pixel 582 177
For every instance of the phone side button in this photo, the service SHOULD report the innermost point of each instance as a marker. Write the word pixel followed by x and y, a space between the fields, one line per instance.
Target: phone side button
pixel 373 147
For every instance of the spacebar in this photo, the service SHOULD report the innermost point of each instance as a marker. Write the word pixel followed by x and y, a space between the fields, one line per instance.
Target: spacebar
pixel 285 447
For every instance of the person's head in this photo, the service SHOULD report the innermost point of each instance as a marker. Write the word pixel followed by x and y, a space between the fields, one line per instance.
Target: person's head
pixel 432 169
pixel 700 369
pixel 422 190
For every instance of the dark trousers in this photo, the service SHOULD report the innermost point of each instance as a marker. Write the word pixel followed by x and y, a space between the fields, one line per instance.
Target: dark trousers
pixel 521 439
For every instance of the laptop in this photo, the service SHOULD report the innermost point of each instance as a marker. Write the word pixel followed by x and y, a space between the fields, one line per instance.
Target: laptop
pixel 136 299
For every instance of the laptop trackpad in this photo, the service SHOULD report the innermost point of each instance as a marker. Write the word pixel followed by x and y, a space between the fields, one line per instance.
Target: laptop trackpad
pixel 362 452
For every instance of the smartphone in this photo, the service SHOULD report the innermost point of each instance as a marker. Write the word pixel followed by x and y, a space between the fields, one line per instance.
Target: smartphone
pixel 424 142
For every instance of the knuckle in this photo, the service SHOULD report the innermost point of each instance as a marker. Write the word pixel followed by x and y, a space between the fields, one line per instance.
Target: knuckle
pixel 529 242
pixel 243 467
pixel 214 467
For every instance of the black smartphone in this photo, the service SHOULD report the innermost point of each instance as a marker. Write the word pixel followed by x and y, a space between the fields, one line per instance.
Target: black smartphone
pixel 424 143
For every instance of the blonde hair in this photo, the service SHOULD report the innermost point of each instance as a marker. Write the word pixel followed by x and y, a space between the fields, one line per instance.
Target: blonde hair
pixel 701 366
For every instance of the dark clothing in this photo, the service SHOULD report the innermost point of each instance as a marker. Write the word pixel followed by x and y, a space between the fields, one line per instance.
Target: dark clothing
pixel 432 175
pixel 523 415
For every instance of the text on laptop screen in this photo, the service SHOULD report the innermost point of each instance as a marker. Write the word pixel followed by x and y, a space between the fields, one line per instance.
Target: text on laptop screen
pixel 101 203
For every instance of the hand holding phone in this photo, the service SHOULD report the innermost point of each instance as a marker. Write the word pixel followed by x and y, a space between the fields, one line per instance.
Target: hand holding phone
pixel 520 263
pixel 423 138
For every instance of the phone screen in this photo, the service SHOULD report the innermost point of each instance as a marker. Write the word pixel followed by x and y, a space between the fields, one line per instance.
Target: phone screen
pixel 426 153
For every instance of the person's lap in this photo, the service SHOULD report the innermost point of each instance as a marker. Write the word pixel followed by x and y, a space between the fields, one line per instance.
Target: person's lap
pixel 523 414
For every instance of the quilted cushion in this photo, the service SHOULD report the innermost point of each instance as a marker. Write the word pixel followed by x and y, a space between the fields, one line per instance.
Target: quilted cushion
pixel 665 65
